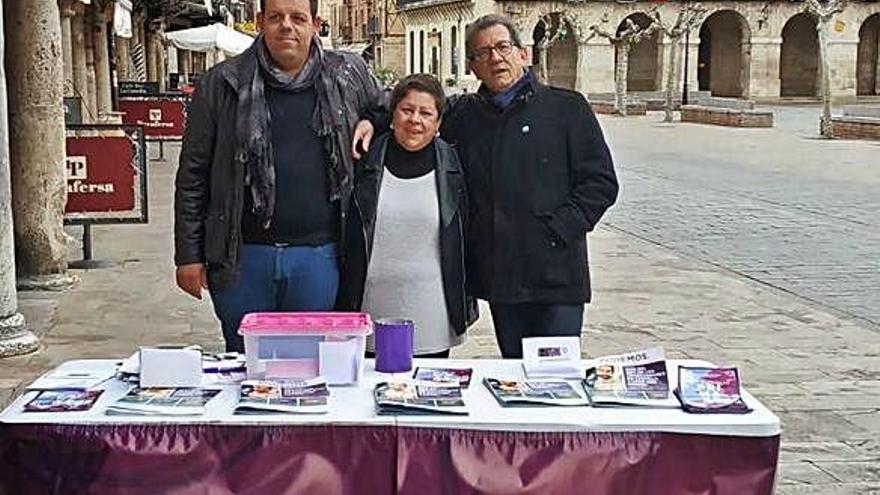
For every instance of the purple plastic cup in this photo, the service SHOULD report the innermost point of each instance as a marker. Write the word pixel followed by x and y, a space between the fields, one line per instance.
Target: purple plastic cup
pixel 393 338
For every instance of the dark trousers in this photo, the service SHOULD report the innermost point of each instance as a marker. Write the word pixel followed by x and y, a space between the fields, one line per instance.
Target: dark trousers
pixel 294 278
pixel 515 321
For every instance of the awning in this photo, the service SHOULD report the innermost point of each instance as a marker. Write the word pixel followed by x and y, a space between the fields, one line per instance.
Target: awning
pixel 210 38
pixel 357 48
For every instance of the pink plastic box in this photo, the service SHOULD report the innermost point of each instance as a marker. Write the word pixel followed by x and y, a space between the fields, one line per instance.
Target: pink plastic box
pixel 306 345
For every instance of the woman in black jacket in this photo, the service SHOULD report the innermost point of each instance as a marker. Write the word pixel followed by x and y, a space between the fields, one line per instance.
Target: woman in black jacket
pixel 404 245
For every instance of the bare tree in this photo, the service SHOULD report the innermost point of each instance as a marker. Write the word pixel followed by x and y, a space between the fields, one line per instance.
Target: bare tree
pixel 689 15
pixel 623 41
pixel 823 12
pixel 553 31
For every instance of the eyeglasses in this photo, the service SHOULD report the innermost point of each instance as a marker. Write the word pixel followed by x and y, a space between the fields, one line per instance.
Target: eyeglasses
pixel 504 48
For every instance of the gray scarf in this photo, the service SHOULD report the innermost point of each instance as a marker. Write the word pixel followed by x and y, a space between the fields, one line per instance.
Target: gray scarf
pixel 253 120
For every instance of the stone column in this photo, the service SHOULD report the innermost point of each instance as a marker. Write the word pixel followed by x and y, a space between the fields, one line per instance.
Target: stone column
pixel 599 57
pixel 36 141
pixel 842 53
pixel 161 71
pixel 123 58
pixel 582 69
pixel 693 52
pixel 90 98
pixel 664 46
pixel 15 339
pixel 103 85
pixel 185 59
pixel 67 13
pixel 877 68
pixel 764 70
pixel 150 57
pixel 80 70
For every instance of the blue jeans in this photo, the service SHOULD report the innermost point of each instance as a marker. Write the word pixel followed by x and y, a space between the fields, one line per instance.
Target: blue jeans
pixel 294 278
pixel 514 321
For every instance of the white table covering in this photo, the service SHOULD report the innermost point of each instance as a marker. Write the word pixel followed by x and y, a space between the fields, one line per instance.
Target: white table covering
pixel 353 405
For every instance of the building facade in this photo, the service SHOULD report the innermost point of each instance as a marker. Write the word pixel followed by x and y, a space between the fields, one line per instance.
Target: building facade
pixel 743 49
pixel 371 28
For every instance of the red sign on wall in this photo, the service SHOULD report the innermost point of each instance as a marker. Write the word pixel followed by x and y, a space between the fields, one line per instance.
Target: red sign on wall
pixel 163 117
pixel 106 179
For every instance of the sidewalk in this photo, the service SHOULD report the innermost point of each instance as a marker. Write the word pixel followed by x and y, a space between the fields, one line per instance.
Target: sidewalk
pixel 818 372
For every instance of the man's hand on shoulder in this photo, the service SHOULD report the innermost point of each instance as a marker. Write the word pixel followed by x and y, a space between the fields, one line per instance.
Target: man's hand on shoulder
pixel 192 278
pixel 363 134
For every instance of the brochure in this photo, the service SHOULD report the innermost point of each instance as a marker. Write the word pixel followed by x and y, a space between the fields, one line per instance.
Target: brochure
pixel 63 400
pixel 417 398
pixel 510 393
pixel 552 357
pixel 163 402
pixel 460 376
pixel 71 378
pixel 634 379
pixel 710 390
pixel 271 397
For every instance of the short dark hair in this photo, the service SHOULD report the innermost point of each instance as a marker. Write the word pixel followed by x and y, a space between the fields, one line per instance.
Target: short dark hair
pixel 313 7
pixel 424 83
pixel 484 23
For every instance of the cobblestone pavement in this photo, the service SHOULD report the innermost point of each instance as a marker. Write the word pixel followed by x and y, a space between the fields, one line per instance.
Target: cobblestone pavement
pixel 661 275
pixel 798 214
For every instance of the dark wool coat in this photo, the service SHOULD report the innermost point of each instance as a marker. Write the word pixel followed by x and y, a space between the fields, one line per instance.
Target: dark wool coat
pixel 539 177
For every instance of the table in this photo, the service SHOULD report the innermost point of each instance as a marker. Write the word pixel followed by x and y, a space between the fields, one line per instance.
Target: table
pixel 494 450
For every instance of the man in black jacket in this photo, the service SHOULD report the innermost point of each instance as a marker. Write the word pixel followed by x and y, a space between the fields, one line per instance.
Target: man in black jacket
pixel 265 173
pixel 540 176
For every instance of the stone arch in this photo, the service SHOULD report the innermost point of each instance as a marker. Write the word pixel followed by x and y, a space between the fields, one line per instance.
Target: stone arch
pixel 725 54
pixel 868 58
pixel 643 73
pixel 799 58
pixel 555 50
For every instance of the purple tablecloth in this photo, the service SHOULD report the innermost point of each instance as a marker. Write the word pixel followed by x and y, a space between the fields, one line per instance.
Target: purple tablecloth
pixel 137 459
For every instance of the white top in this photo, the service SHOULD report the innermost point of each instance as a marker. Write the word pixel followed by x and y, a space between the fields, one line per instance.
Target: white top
pixel 404 278
pixel 354 405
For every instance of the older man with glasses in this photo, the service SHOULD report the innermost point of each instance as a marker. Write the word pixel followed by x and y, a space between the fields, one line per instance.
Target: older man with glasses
pixel 540 176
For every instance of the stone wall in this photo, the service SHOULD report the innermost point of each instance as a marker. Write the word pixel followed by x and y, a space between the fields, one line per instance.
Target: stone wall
pixel 855 128
pixel 726 116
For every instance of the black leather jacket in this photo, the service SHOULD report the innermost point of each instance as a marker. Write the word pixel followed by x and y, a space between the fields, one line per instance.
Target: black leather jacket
pixel 209 195
pixel 358 244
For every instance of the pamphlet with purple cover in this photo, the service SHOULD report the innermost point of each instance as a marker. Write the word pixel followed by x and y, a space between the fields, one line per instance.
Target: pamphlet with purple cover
pixel 63 400
pixel 710 390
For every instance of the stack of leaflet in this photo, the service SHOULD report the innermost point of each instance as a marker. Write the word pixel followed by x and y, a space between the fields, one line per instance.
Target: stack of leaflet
pixel 163 402
pixel 73 387
pixel 532 393
pixel 458 376
pixel 633 379
pixel 273 397
pixel 710 390
pixel 412 397
pixel 63 400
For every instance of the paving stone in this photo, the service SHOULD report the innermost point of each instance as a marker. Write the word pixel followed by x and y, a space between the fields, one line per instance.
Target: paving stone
pixel 852 472
pixel 793 452
pixel 803 473
pixel 763 259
